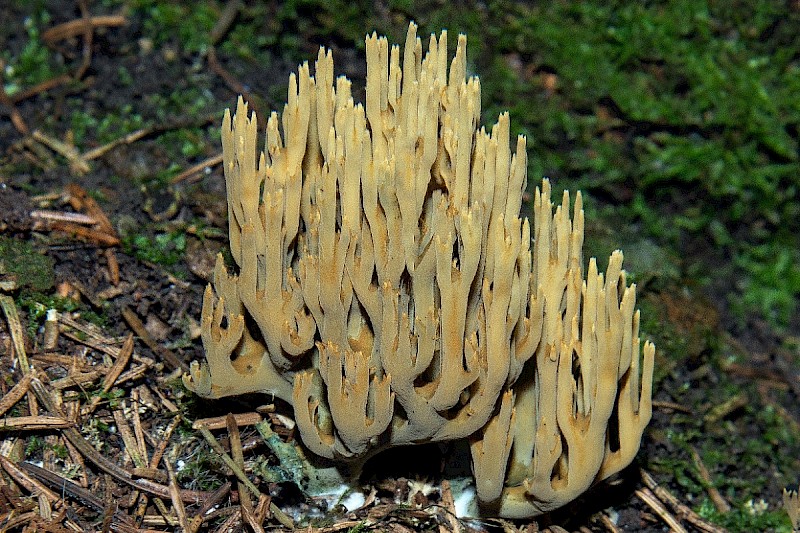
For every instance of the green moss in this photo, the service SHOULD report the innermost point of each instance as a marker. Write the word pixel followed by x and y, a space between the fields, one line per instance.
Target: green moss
pixel 359 528
pixel 111 399
pixel 34 445
pixel 187 25
pixel 746 516
pixel 773 279
pixel 88 128
pixel 165 249
pixel 189 142
pixel 124 76
pixel 34 63
pixel 689 122
pixel 31 268
pixel 36 304
pixel 60 451
pixel 202 466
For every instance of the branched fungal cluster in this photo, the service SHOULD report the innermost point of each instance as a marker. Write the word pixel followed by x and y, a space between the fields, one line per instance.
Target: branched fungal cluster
pixel 388 289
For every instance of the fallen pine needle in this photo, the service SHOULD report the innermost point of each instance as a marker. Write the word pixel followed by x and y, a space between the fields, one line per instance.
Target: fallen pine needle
pixel 33 423
pixel 655 504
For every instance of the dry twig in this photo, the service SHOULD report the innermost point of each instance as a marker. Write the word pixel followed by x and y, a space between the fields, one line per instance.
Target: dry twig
pixel 33 423
pixel 680 509
pixel 219 422
pixel 138 327
pixel 16 393
pixel 279 515
pixel 17 335
pixel 655 504
pixel 717 498
pixel 13 112
pixel 121 361
pixel 73 28
pixel 212 161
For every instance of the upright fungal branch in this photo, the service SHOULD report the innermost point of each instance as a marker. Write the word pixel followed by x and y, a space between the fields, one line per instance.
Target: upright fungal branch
pixel 580 407
pixel 387 288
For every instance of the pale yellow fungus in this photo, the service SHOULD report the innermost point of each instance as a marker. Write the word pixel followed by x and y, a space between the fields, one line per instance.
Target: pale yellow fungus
pixel 388 289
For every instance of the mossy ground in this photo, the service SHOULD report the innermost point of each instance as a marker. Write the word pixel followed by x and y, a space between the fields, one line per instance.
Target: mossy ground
pixel 679 121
